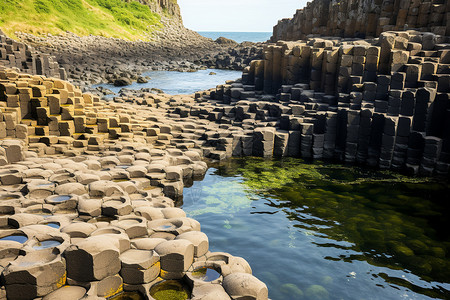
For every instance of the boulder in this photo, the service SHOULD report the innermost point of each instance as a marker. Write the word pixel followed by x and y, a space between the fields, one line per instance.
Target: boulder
pixel 122 81
pixel 224 41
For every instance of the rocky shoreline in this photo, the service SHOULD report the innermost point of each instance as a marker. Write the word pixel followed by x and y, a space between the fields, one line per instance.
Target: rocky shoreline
pixel 87 63
pixel 82 171
pixel 113 170
pixel 89 188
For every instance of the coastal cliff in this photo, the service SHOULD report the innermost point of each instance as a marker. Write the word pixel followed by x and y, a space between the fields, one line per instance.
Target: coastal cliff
pixel 364 18
pixel 130 20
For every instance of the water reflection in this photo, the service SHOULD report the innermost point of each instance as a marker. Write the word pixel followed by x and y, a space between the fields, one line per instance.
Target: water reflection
pixel 332 230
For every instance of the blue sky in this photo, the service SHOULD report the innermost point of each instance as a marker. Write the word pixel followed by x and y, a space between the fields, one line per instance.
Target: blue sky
pixel 236 15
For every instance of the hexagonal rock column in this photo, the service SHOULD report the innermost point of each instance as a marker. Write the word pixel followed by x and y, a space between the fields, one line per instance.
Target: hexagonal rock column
pixel 109 286
pixel 199 239
pixel 13 150
pixel 176 258
pixel 139 266
pixel 104 188
pixel 134 226
pixel 34 275
pixel 67 293
pixel 245 286
pixel 229 264
pixel 118 236
pixel 95 258
pixel 209 292
pixel 116 206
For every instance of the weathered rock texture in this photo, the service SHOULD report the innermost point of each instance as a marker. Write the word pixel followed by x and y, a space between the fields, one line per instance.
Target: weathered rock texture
pixel 169 7
pixel 382 102
pixel 14 54
pixel 93 59
pixel 364 18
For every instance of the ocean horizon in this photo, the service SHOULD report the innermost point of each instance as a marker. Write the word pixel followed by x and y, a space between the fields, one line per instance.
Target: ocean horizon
pixel 238 36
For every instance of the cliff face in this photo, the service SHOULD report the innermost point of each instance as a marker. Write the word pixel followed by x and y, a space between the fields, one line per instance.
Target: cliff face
pixel 169 7
pixel 364 18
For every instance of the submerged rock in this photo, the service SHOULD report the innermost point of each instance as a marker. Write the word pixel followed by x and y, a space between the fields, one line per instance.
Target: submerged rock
pixel 141 79
pixel 317 292
pixel 224 41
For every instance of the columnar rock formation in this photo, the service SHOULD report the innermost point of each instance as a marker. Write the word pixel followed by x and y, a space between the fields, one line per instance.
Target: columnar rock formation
pixel 14 54
pixel 364 18
pixel 381 102
pixel 88 190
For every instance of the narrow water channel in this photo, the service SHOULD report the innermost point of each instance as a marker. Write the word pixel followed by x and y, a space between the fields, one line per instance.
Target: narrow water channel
pixel 177 83
pixel 314 231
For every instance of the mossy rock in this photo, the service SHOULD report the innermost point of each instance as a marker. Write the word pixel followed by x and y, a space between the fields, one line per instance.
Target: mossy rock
pixel 418 246
pixel 317 292
pixel 326 280
pixel 292 290
pixel 401 250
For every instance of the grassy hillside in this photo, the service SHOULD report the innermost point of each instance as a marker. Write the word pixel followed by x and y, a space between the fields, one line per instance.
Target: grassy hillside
pixel 111 18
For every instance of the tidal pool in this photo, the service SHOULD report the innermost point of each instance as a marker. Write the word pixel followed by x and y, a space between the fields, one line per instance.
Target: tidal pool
pixel 320 231
pixel 15 238
pixel 206 274
pixel 170 290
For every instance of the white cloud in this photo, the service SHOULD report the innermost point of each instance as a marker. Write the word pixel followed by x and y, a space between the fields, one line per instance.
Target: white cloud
pixel 236 15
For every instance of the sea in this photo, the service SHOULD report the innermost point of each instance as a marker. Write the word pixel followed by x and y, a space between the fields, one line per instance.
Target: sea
pixel 175 83
pixel 238 36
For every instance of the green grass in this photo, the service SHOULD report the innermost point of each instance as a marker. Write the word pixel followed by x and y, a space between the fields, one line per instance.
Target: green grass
pixel 111 18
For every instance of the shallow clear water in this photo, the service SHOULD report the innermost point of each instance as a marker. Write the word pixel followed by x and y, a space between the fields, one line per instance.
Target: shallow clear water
pixel 238 36
pixel 53 225
pixel 178 83
pixel 15 238
pixel 61 198
pixel 206 274
pixel 328 231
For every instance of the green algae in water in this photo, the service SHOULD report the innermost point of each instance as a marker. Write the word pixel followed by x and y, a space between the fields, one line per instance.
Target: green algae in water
pixel 394 228
pixel 128 296
pixel 222 197
pixel 170 290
